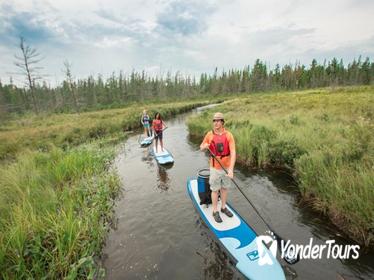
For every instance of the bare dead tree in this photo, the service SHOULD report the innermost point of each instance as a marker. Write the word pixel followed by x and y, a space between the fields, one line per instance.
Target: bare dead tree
pixel 70 83
pixel 28 66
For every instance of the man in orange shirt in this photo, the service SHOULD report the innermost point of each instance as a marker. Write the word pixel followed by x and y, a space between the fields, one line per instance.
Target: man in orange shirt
pixel 221 143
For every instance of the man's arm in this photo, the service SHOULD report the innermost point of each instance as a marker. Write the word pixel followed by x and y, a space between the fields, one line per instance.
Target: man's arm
pixel 232 157
pixel 205 144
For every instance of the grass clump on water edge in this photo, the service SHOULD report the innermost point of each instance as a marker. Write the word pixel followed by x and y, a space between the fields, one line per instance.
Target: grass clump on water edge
pixel 324 137
pixel 55 209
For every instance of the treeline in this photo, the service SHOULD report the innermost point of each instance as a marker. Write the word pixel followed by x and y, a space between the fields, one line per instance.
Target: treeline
pixel 289 77
pixel 97 92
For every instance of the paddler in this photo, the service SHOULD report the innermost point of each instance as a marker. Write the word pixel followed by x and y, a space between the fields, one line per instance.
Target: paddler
pixel 221 144
pixel 158 126
pixel 145 120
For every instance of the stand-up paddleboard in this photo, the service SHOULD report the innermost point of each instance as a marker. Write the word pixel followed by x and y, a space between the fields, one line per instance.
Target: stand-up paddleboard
pixel 252 258
pixel 163 157
pixel 146 141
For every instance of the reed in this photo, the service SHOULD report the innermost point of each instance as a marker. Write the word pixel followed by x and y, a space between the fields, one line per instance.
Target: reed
pixel 55 212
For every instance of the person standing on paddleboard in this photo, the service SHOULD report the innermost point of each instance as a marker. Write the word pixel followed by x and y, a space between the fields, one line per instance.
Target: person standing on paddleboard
pixel 221 144
pixel 145 120
pixel 158 126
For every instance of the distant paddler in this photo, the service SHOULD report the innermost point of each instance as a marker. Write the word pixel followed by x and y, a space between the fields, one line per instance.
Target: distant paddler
pixel 145 120
pixel 158 126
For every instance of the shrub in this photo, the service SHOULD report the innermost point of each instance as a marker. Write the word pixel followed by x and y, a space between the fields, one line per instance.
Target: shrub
pixel 284 152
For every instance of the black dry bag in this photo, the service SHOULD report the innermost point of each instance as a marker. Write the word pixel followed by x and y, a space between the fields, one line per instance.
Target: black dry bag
pixel 203 187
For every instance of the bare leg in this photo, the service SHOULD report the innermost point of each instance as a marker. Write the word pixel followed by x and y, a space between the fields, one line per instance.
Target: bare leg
pixel 156 144
pixel 162 145
pixel 214 200
pixel 223 197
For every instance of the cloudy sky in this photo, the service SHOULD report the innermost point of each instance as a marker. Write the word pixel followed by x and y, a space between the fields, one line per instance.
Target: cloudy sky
pixel 186 35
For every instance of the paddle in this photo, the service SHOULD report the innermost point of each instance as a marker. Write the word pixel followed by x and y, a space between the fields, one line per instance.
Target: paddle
pixel 290 259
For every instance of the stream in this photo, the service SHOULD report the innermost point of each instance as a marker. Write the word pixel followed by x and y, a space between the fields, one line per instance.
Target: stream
pixel 158 233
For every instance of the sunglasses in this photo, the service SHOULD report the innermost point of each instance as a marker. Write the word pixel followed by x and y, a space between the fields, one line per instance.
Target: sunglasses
pixel 217 120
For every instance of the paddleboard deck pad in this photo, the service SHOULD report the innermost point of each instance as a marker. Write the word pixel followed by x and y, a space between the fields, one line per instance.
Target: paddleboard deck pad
pixel 163 157
pixel 253 259
pixel 146 141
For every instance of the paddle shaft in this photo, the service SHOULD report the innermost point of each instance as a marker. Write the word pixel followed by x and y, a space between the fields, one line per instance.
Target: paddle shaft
pixel 279 239
pixel 232 179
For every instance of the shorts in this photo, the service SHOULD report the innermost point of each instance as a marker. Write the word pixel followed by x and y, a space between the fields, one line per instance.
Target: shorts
pixel 218 180
pixel 146 125
pixel 158 135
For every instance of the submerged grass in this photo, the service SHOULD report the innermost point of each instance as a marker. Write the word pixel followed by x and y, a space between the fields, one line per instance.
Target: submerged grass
pixel 324 137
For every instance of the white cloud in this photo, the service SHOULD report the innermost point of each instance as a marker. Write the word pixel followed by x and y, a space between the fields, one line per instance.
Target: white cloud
pixel 190 36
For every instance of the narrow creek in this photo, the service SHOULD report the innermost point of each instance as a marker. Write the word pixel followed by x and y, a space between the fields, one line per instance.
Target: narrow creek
pixel 159 234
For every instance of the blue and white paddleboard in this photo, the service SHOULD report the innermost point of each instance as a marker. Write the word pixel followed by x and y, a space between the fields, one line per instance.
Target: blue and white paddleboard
pixel 253 259
pixel 163 157
pixel 146 141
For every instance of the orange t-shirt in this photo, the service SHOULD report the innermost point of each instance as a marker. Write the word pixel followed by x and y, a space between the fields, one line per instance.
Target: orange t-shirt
pixel 225 160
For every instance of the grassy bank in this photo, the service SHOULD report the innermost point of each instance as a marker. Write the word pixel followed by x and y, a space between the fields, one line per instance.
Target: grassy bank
pixel 42 132
pixel 324 137
pixel 54 212
pixel 57 192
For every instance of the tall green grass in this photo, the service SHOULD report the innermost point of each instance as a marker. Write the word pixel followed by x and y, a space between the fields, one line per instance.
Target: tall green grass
pixel 324 137
pixel 42 132
pixel 57 192
pixel 55 209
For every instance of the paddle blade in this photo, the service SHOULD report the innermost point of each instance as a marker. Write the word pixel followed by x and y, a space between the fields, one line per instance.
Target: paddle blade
pixel 291 257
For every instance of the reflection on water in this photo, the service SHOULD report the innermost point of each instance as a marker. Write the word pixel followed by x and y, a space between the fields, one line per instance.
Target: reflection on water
pixel 163 178
pixel 147 156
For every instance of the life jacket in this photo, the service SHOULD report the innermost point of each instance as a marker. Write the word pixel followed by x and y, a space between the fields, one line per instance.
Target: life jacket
pixel 145 119
pixel 157 125
pixel 219 146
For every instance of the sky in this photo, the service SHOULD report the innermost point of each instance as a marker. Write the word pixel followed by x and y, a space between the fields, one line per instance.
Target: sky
pixel 185 36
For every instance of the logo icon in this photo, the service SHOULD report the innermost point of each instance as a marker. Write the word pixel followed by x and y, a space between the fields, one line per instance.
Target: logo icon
pixel 253 255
